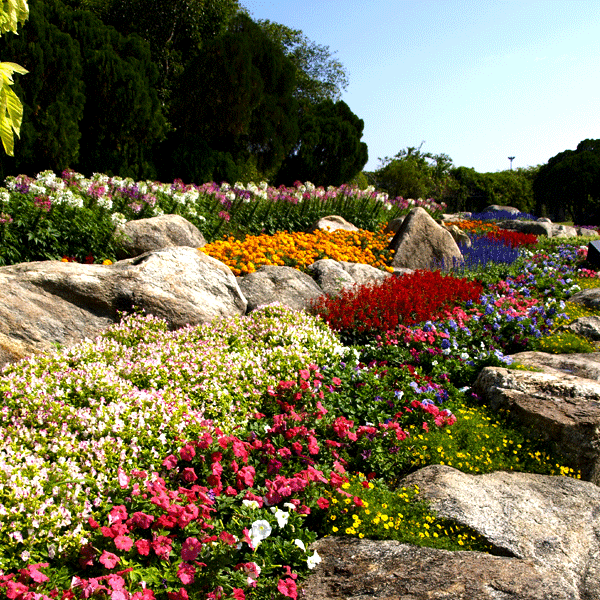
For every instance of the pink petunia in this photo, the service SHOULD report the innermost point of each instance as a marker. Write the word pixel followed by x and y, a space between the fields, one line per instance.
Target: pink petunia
pixel 143 547
pixel 123 542
pixel 170 462
pixel 162 546
pixel 145 594
pixel 190 549
pixel 288 588
pixel 180 595
pixel 323 503
pixel 227 538
pixel 189 475
pixel 245 476
pixel 187 452
pixel 35 574
pixel 186 573
pixel 142 520
pixel 109 560
pixel 238 594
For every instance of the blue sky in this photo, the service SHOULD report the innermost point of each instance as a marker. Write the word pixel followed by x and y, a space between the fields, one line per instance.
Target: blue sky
pixel 477 80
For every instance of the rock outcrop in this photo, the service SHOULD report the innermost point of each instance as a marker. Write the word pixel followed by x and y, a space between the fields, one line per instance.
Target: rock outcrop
pixel 353 569
pixel 145 235
pixel 279 284
pixel 534 227
pixel 43 304
pixel 421 243
pixel 559 407
pixel 332 223
pixel 334 276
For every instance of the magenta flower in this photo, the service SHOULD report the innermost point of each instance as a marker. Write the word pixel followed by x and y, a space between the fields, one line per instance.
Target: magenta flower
pixel 186 573
pixel 109 560
pixel 190 549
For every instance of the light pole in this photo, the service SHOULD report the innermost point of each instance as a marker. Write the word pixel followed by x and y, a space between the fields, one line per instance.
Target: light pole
pixel 511 158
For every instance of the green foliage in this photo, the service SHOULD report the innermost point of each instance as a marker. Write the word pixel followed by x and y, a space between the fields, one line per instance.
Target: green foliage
pixel 328 150
pixel 12 13
pixel 52 94
pixel 241 87
pixel 319 76
pixel 414 174
pixel 474 191
pixel 569 185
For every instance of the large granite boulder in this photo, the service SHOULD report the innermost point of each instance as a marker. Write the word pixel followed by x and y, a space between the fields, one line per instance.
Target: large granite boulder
pixel 563 231
pixel 421 243
pixel 585 365
pixel 355 569
pixel 460 237
pixel 47 303
pixel 286 285
pixel 145 235
pixel 498 208
pixel 534 227
pixel 332 223
pixel 589 298
pixel 333 276
pixel 560 407
pixel 552 521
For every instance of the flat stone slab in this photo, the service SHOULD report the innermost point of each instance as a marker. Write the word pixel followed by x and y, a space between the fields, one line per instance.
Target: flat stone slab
pixel 559 407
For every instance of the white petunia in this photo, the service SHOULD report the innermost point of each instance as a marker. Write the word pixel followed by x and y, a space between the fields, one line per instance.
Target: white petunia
pixel 313 561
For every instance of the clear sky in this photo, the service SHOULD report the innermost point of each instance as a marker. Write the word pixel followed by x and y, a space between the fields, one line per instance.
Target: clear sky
pixel 478 80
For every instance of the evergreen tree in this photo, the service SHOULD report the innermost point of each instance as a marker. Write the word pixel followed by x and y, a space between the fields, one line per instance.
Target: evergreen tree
pixel 329 150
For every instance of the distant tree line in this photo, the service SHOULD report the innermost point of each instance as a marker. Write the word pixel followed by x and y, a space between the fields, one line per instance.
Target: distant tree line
pixel 190 89
pixel 413 173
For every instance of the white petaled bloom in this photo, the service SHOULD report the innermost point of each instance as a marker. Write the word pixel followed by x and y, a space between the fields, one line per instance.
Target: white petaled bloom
pixel 300 544
pixel 313 561
pixel 289 506
pixel 259 531
pixel 281 516
pixel 250 503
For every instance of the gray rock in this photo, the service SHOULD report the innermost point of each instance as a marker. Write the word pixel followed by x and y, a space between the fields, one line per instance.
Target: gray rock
pixel 47 303
pixel 394 225
pixel 586 366
pixel 587 232
pixel 562 408
pixel 331 276
pixel 588 298
pixel 498 208
pixel 587 327
pixel 332 223
pixel 459 236
pixel 544 220
pixel 552 521
pixel 145 235
pixel 421 243
pixel 534 227
pixel 562 231
pixel 364 274
pixel 354 569
pixel 456 217
pixel 270 284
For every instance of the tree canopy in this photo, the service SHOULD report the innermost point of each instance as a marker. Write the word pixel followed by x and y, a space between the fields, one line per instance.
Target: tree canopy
pixel 319 76
pixel 329 150
pixel 569 184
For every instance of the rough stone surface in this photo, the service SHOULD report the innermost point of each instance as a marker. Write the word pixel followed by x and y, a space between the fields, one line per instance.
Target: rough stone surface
pixel 354 569
pixel 562 408
pixel 498 208
pixel 586 366
pixel 588 298
pixel 535 227
pixel 52 302
pixel 394 225
pixel 552 521
pixel 279 284
pixel 588 327
pixel 587 232
pixel 145 235
pixel 460 237
pixel 421 243
pixel 333 276
pixel 456 216
pixel 563 231
pixel 330 276
pixel 332 223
